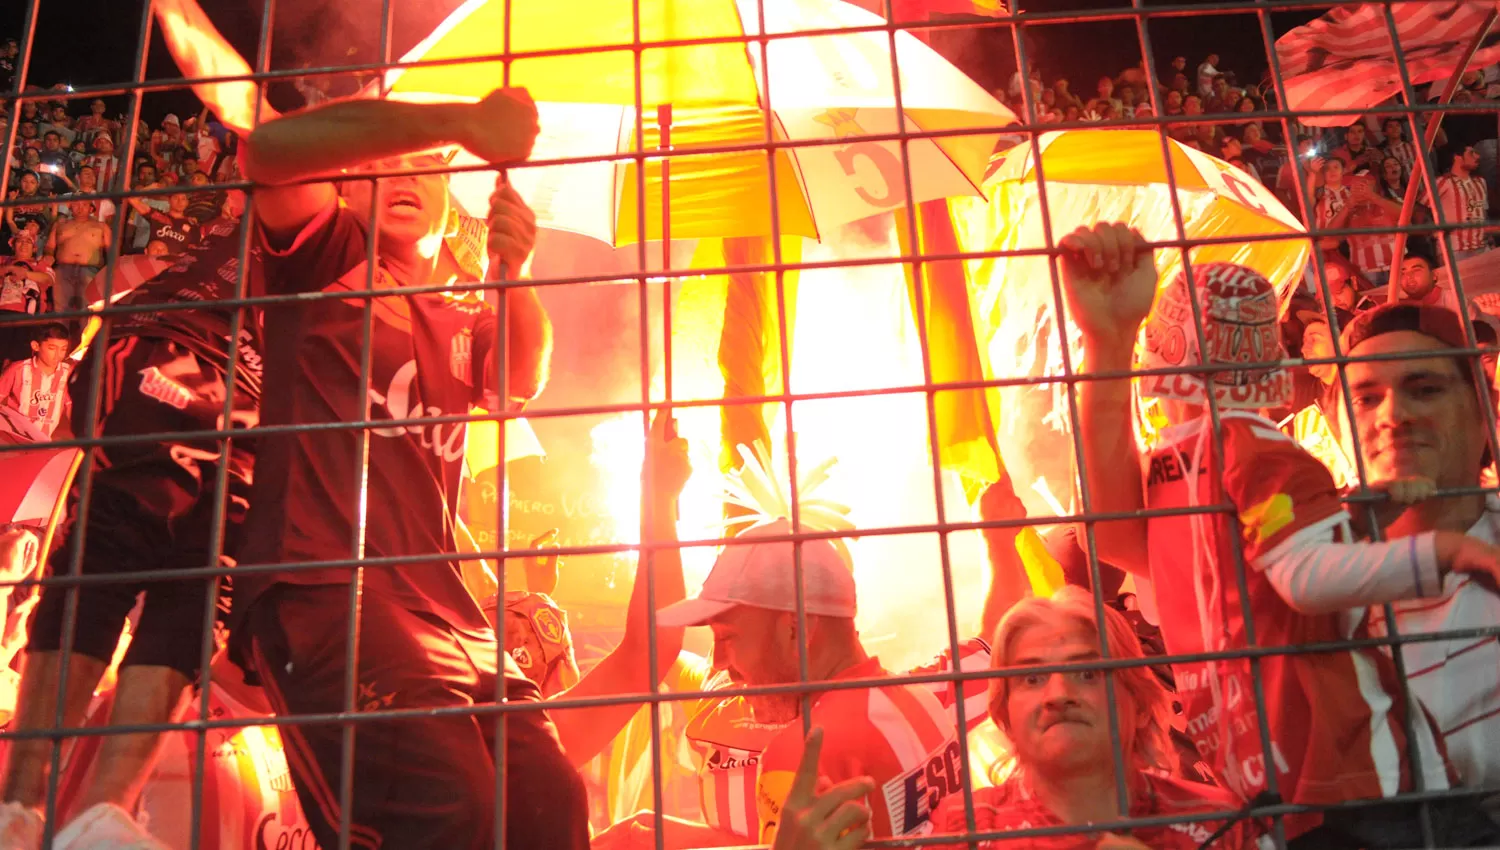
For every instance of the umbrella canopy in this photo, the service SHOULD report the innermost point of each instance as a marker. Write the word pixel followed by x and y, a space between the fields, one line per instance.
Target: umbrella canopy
pixel 835 88
pixel 1092 176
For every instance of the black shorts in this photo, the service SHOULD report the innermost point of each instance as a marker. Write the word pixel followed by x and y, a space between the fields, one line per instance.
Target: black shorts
pixel 152 507
pixel 419 782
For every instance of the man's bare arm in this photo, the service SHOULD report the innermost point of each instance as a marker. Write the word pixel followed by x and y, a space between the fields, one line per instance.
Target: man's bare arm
pixel 530 344
pixel 321 142
pixel 1110 283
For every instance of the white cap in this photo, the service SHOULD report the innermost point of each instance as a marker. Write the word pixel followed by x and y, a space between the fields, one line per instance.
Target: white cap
pixel 171 119
pixel 763 575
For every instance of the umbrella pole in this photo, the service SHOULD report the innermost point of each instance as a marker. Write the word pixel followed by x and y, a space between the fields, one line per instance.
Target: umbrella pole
pixel 1409 203
pixel 664 143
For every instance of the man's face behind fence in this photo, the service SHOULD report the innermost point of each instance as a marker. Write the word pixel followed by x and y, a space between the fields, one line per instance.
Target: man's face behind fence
pixel 1418 417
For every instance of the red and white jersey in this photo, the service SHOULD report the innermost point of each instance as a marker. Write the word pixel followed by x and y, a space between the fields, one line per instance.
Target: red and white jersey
pixel 41 398
pixel 899 735
pixel 1331 202
pixel 106 166
pixel 1464 200
pixel 1336 719
pixel 1455 679
pixel 248 797
pixel 1403 152
pixel 729 742
pixel 1372 254
pixel 1011 806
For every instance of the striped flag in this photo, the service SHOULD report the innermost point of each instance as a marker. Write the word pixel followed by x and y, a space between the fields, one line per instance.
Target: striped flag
pixel 906 11
pixel 1345 60
pixel 130 272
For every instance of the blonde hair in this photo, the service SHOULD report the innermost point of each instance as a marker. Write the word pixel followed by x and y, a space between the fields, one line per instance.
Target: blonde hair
pixel 1150 745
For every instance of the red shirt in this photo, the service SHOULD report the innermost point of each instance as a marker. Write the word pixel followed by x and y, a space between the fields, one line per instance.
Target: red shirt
pixel 1011 806
pixel 730 741
pixel 898 735
pixel 1336 719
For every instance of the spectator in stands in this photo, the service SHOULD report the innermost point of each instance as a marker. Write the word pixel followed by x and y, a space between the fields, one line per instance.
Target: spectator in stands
pixel 25 287
pixel 1220 99
pixel 56 169
pixel 29 136
pixel 1333 197
pixel 1172 102
pixel 88 184
pixel 1260 153
pixel 1064 95
pixel 1338 725
pixel 1356 153
pixel 30 206
pixel 1422 420
pixel 37 387
pixel 166 145
pixel 1463 199
pixel 749 600
pixel 1365 207
pixel 91 125
pixel 1206 73
pixel 1106 99
pixel 1390 181
pixel 1396 146
pixel 104 161
pixel 142 208
pixel 9 52
pixel 1418 284
pixel 1058 725
pixel 1232 152
pixel 173 226
pixel 78 246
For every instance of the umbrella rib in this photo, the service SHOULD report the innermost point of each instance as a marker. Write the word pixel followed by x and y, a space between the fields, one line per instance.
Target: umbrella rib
pixel 801 181
pixel 907 116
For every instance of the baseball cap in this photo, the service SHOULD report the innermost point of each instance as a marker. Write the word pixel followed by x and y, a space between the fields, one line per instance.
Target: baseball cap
pixel 171 119
pixel 763 575
pixel 1440 323
pixel 1241 324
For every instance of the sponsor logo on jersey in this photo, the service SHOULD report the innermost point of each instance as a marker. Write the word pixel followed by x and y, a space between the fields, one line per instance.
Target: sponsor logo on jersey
pixel 725 758
pixel 269 835
pixel 401 401
pixel 165 390
pixel 522 657
pixel 461 356
pixel 912 796
pixel 1167 467
pixel 1264 519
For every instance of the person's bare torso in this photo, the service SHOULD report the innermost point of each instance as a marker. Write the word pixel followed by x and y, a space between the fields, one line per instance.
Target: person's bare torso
pixel 81 242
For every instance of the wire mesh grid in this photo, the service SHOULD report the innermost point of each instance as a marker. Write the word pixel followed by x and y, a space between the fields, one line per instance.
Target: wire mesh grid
pixel 650 282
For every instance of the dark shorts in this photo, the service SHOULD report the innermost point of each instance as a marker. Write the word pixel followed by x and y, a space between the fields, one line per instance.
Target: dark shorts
pixel 419 782
pixel 152 507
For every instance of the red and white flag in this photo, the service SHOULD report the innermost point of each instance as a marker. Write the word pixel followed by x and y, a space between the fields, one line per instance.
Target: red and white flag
pixel 1345 60
pixel 904 11
pixel 130 271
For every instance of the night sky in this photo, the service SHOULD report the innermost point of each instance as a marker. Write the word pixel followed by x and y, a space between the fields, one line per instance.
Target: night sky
pixel 92 42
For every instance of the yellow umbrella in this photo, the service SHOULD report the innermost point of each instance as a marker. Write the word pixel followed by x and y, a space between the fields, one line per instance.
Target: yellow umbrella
pixel 837 87
pixel 1091 176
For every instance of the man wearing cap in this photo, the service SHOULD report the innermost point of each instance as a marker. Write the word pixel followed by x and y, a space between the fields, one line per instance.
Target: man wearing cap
pixel 104 161
pixel 750 602
pixel 1422 419
pixel 424 643
pixel 1338 723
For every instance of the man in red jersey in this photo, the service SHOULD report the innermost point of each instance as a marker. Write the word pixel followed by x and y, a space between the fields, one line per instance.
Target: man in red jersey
pixel 902 736
pixel 1338 721
pixel 1058 725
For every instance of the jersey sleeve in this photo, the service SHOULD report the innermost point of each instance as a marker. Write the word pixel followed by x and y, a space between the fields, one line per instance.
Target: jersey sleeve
pixel 327 247
pixel 1277 488
pixel 486 374
pixel 778 769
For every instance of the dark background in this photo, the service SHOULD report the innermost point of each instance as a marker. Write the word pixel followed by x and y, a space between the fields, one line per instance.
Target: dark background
pixel 93 42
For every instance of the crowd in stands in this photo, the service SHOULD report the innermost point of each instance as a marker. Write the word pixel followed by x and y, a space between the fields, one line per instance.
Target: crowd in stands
pixel 1193 745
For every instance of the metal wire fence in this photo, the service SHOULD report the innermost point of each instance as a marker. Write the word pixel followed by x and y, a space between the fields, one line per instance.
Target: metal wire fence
pixel 655 347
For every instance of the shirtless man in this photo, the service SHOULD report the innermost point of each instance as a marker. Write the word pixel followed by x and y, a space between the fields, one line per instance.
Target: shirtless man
pixel 78 246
